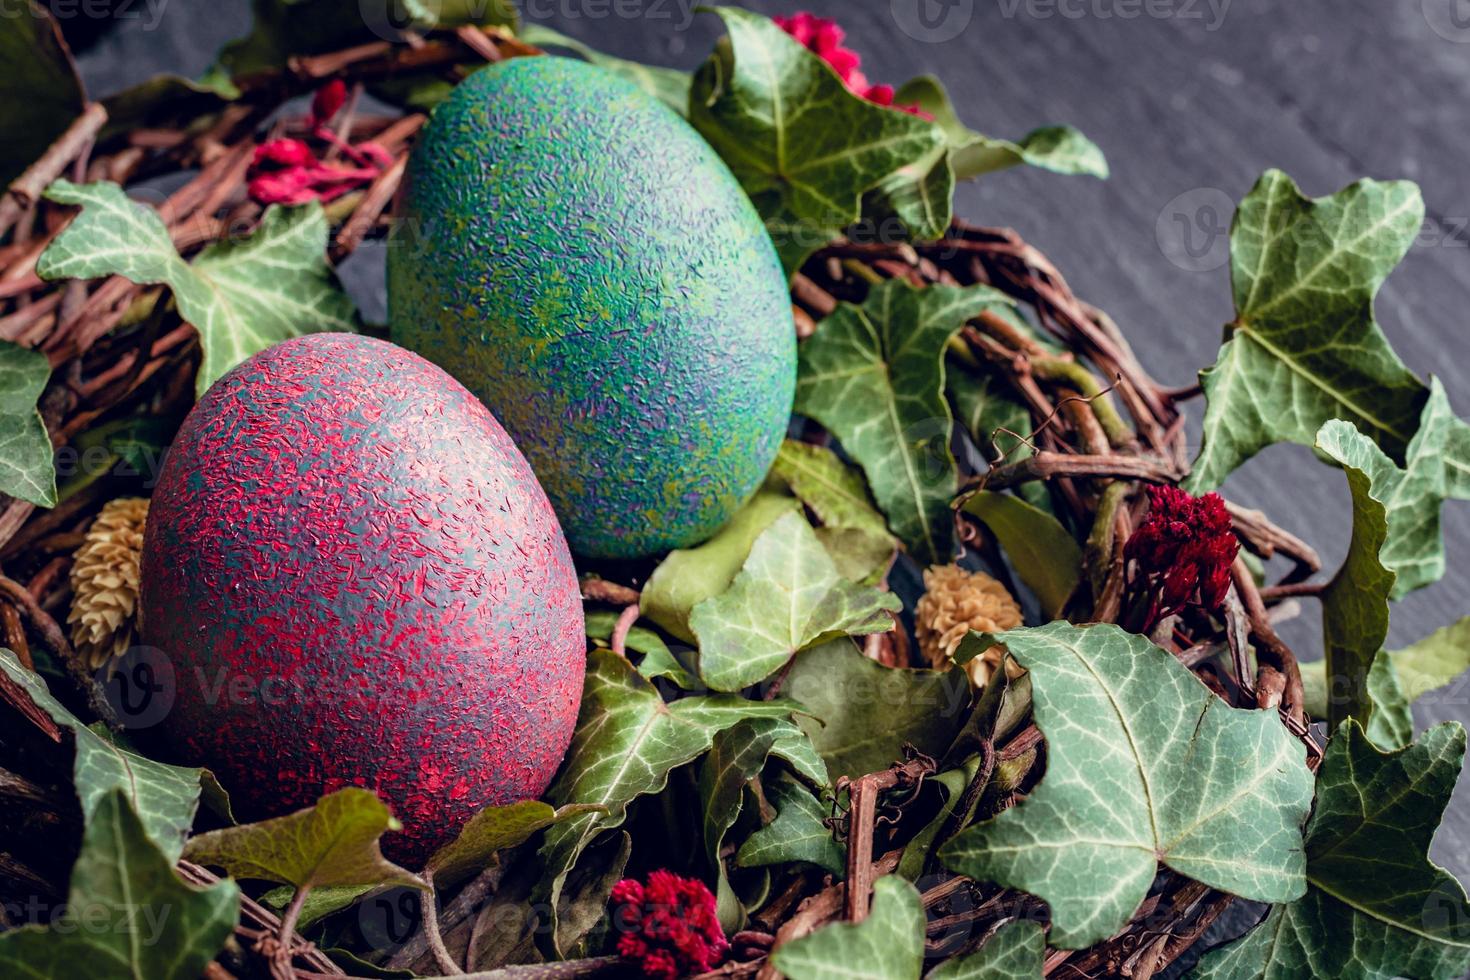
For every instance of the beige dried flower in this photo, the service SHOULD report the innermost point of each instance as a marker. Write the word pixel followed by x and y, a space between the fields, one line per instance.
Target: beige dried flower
pixel 955 602
pixel 104 583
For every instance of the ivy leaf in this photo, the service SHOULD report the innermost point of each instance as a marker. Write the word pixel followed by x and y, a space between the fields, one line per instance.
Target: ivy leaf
pixel 283 28
pixel 920 196
pixel 787 597
pixel 242 296
pixel 1015 952
pixel 887 945
pixel 1143 764
pixel 658 660
pixel 1355 602
pixel 920 848
pixel 798 833
pixel 689 576
pixel 153 925
pixel 831 488
pixel 27 468
pixel 626 743
pixel 1376 907
pixel 1391 722
pixel 873 375
pixel 1434 661
pixel 164 797
pixel 1060 149
pixel 1304 346
pixel 860 714
pixel 490 831
pixel 804 147
pixel 736 756
pixel 40 90
pixel 669 85
pixel 1044 554
pixel 333 843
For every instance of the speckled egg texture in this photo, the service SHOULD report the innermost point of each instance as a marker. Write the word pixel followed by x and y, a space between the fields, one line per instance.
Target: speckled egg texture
pixel 578 256
pixel 359 582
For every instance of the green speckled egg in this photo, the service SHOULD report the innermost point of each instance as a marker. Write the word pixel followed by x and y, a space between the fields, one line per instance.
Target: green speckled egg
pixel 578 257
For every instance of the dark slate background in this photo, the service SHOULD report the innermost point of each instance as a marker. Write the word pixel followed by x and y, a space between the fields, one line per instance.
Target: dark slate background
pixel 1190 100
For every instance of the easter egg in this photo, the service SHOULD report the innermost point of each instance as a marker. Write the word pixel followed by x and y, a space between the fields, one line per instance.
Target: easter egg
pixel 357 581
pixel 579 257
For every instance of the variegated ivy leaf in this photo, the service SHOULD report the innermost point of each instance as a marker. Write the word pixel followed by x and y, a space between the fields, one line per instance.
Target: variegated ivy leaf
pixel 164 797
pixel 853 531
pixel 887 945
pixel 788 596
pixel 873 375
pixel 798 833
pixel 334 843
pixel 1143 764
pixel 1015 952
pixel 1060 149
pixel 626 743
pixel 1376 907
pixel 1355 603
pixel 669 85
pixel 1304 346
pixel 127 914
pixel 27 467
pixel 1412 494
pixel 735 758
pixel 803 146
pixel 242 296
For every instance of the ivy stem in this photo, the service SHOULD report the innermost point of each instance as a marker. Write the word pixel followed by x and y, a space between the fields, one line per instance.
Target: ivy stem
pixel 1049 368
pixel 1102 539
pixel 431 926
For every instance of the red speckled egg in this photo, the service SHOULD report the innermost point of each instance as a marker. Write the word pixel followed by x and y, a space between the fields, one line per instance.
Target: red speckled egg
pixel 359 582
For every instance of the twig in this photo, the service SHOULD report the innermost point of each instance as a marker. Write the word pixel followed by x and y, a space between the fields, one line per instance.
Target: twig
pixel 1047 465
pixel 30 185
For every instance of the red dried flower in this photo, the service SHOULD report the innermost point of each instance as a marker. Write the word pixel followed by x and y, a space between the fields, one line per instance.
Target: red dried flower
pixel 1181 554
pixel 287 171
pixel 327 102
pixel 667 927
pixel 824 38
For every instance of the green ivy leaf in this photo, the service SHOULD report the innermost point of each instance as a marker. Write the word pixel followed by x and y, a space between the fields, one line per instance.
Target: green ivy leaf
pixel 1355 603
pixel 689 576
pixel 284 28
pixel 626 743
pixel 1044 554
pixel 860 714
pixel 919 849
pixel 832 489
pixel 798 833
pixel 1376 907
pixel 1434 661
pixel 493 829
pixel 27 467
pixel 804 147
pixel 873 375
pixel 669 85
pixel 164 797
pixel 788 596
pixel 736 756
pixel 658 660
pixel 1304 346
pixel 242 296
pixel 1060 149
pixel 333 843
pixel 1143 764
pixel 1015 952
pixel 1390 722
pixel 887 945
pixel 40 90
pixel 920 196
pixel 153 925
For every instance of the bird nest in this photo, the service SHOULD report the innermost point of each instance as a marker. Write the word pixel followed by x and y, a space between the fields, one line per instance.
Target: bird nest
pixel 122 356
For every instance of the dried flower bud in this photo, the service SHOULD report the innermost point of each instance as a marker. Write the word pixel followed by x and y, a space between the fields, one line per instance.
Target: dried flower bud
pixel 283 153
pixel 1182 553
pixel 824 38
pixel 327 102
pixel 104 583
pixel 668 928
pixel 955 602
